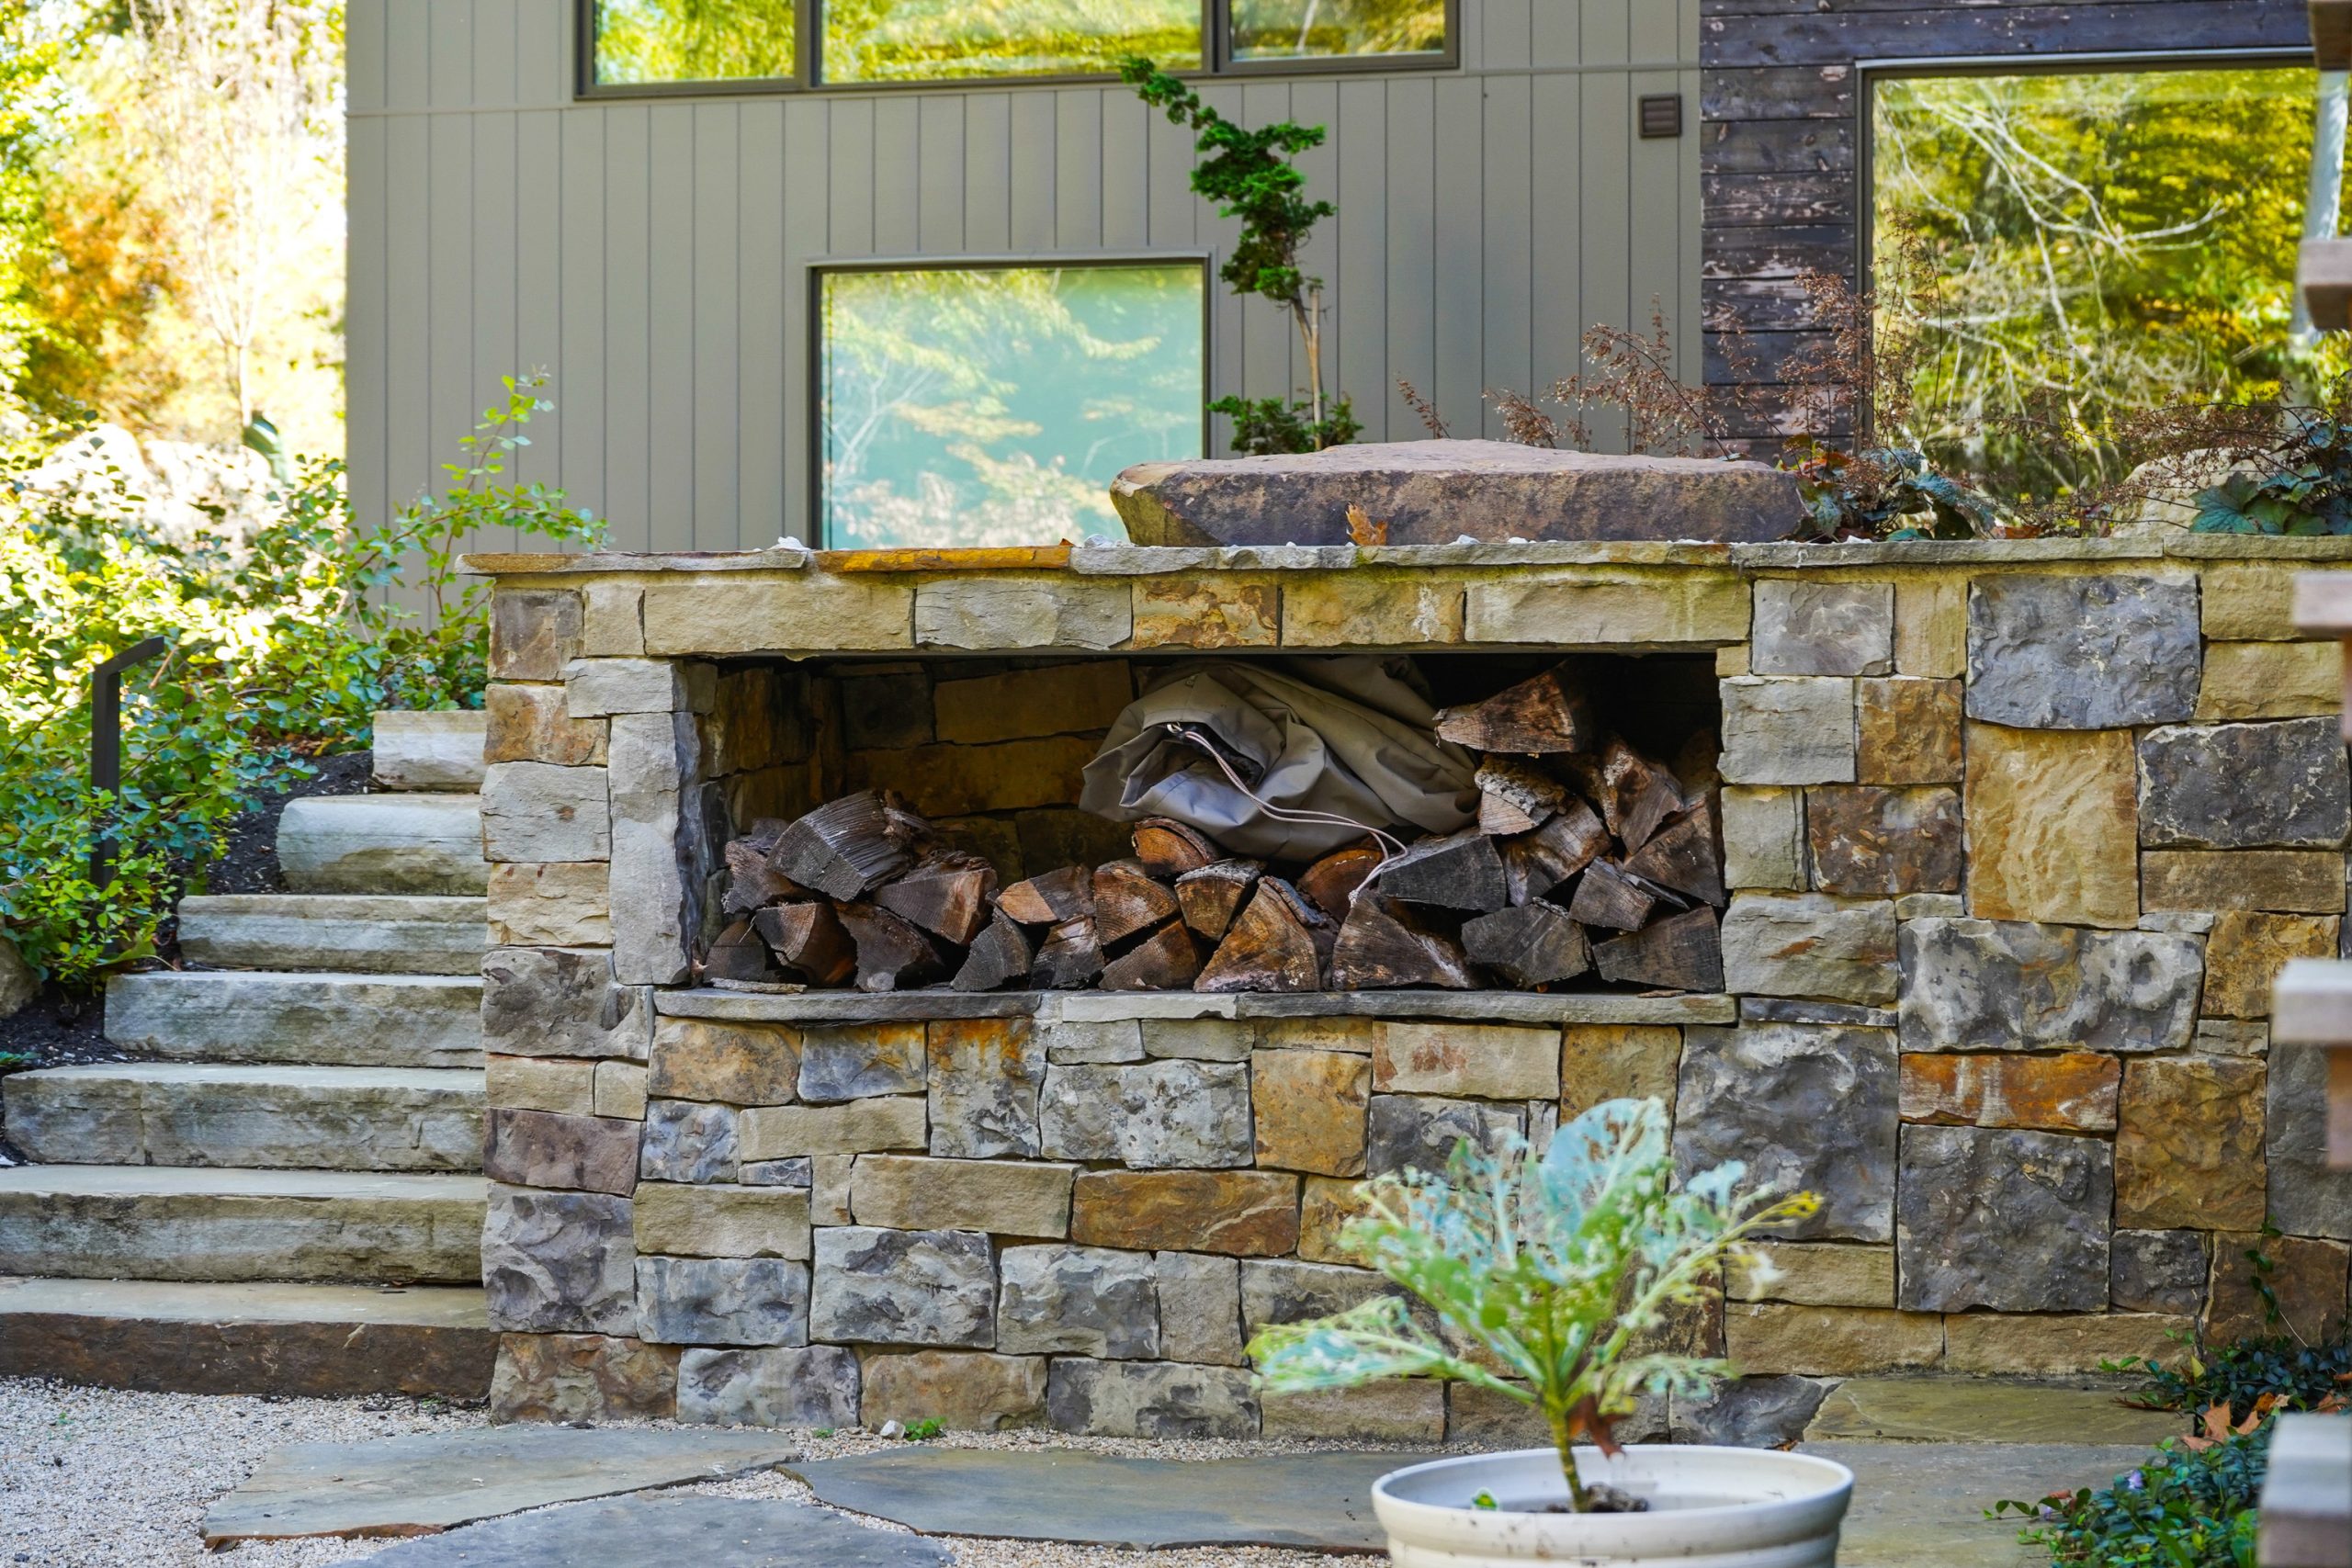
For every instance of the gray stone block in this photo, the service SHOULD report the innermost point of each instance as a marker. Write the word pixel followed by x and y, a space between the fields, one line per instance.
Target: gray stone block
pixel 885 1287
pixel 1077 1301
pixel 1200 1308
pixel 852 1063
pixel 658 860
pixel 560 1001
pixel 558 1262
pixel 812 1387
pixel 1788 730
pixel 2307 1198
pixel 1823 628
pixel 2000 985
pixel 1807 1108
pixel 684 1141
pixel 2240 786
pixel 2001 1219
pixel 1810 945
pixel 794 1172
pixel 1170 1114
pixel 1419 1132
pixel 2107 652
pixel 1002 613
pixel 2158 1272
pixel 540 1148
pixel 984 1076
pixel 1289 1290
pixel 722 1300
pixel 1150 1399
pixel 1751 1413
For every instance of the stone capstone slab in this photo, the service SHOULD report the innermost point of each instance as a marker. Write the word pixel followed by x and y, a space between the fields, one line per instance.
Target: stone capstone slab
pixel 2001 1219
pixel 2106 653
pixel 2240 787
pixel 709 1532
pixel 423 1482
pixel 887 1287
pixel 1807 1107
pixel 1918 1506
pixel 1936 1409
pixel 559 1261
pixel 1432 492
pixel 2001 984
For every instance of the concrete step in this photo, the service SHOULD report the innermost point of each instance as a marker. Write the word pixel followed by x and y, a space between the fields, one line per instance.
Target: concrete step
pixel 382 844
pixel 353 1020
pixel 309 1341
pixel 263 1118
pixel 430 750
pixel 154 1222
pixel 358 933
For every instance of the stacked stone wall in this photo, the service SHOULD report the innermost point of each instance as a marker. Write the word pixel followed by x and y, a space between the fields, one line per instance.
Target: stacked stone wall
pixel 2018 840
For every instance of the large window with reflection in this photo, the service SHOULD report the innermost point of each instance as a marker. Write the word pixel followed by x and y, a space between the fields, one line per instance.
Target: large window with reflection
pixel 992 405
pixel 706 45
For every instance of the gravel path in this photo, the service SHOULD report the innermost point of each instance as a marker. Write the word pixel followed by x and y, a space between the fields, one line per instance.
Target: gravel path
pixel 99 1478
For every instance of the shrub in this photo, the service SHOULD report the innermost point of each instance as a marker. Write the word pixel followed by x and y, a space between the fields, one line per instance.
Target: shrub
pixel 2186 1507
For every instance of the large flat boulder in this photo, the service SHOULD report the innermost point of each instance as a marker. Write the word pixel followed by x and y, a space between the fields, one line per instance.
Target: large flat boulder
pixel 1433 492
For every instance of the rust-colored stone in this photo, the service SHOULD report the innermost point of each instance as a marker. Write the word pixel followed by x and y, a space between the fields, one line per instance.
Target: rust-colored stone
pixel 1248 1213
pixel 540 1148
pixel 2190 1150
pixel 583 1377
pixel 2309 882
pixel 531 724
pixel 1907 732
pixel 1869 840
pixel 965 1391
pixel 1324 1207
pixel 2059 1343
pixel 2246 950
pixel 1618 1060
pixel 2305 1274
pixel 1215 612
pixel 2076 1092
pixel 2053 826
pixel 732 1064
pixel 1310 1108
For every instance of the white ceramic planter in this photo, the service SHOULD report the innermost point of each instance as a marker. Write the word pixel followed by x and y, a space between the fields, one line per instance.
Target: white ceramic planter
pixel 1709 1508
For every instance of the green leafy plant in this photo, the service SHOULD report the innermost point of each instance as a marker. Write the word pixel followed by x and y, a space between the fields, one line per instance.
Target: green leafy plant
pixel 1553 1267
pixel 925 1430
pixel 1250 176
pixel 1884 492
pixel 2186 1507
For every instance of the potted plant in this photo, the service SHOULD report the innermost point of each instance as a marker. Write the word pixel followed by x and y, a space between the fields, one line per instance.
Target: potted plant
pixel 1548 1271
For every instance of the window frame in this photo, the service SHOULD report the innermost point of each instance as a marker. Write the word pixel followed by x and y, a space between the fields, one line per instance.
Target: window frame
pixel 807 42
pixel 812 434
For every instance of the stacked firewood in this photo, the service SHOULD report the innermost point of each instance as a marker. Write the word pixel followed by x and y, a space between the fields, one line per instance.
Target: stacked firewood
pixel 1587 858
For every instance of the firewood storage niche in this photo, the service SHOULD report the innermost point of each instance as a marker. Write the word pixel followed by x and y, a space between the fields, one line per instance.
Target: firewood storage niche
pixel 894 824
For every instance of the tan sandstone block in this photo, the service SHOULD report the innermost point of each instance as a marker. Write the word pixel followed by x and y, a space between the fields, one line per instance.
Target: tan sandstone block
pixel 734 1064
pixel 2053 825
pixel 1003 1197
pixel 1248 1213
pixel 1907 731
pixel 1323 1208
pixel 534 632
pixel 856 1127
pixel 613 624
pixel 2057 1344
pixel 722 1221
pixel 2072 1092
pixel 1213 611
pixel 830 1179
pixel 1684 609
pixel 1061 699
pixel 1475 1060
pixel 2306 882
pixel 540 1083
pixel 1816 1273
pixel 2247 949
pixel 620 1090
pixel 1932 626
pixel 1766 1339
pixel 2190 1152
pixel 964 1391
pixel 1310 1107
pixel 1618 1060
pixel 1338 1033
pixel 531 724
pixel 1371 609
pixel 1396 1410
pixel 583 1378
pixel 2250 600
pixel 792 611
pixel 551 904
pixel 2270 680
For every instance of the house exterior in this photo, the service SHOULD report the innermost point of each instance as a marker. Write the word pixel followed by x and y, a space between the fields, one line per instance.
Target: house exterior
pixel 669 251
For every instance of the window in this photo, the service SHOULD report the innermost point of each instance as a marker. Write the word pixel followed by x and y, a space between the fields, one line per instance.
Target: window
pixel 2091 244
pixel 670 45
pixel 983 406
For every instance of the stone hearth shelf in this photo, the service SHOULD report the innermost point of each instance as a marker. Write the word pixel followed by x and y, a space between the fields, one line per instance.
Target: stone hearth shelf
pixel 2017 832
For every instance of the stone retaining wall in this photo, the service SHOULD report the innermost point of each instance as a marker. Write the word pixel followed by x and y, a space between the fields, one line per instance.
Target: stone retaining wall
pixel 2018 834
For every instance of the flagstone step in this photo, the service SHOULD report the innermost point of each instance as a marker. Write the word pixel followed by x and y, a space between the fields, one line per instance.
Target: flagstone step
pixel 430 750
pixel 290 1341
pixel 257 1117
pixel 98 1222
pixel 382 844
pixel 354 933
pixel 357 1021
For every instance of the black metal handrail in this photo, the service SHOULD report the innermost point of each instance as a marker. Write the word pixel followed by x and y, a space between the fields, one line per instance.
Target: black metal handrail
pixel 106 741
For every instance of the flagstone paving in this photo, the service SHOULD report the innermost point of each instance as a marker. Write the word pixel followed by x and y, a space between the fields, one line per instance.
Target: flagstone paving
pixel 670 1530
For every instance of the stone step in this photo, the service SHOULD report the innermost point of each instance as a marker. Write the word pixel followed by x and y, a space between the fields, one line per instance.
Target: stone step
pixel 305 1341
pixel 382 844
pixel 155 1221
pixel 354 1020
pixel 263 1118
pixel 358 933
pixel 430 750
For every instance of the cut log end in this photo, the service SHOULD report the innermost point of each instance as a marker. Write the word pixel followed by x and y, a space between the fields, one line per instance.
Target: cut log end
pixel 1051 898
pixel 1170 849
pixel 1683 953
pixel 1000 955
pixel 1167 960
pixel 1383 947
pixel 1210 897
pixel 1127 900
pixel 1533 944
pixel 1271 946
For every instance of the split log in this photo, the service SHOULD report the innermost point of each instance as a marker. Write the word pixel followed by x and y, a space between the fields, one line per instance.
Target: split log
pixel 1070 957
pixel 1271 946
pixel 1330 882
pixel 736 954
pixel 1537 717
pixel 1684 954
pixel 1383 947
pixel 893 955
pixel 1536 864
pixel 948 892
pixel 1516 796
pixel 1127 900
pixel 1001 952
pixel 1210 896
pixel 1050 899
pixel 809 941
pixel 1167 960
pixel 1459 871
pixel 752 880
pixel 1634 794
pixel 1683 856
pixel 1168 849
pixel 1605 896
pixel 1534 944
pixel 844 848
